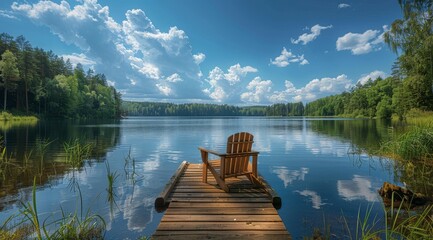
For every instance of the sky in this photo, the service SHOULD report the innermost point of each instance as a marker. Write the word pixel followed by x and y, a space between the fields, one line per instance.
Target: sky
pixel 238 52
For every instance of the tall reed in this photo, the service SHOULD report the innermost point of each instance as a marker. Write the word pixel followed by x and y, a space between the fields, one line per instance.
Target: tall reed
pixel 77 152
pixel 111 178
pixel 397 223
pixel 70 226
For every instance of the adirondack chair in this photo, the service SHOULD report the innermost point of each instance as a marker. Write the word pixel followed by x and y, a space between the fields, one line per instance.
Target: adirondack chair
pixel 234 162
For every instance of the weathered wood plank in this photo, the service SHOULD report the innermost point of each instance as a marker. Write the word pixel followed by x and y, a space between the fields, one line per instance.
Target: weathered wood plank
pixel 218 205
pixel 218 218
pixel 221 211
pixel 227 200
pixel 224 235
pixel 204 211
pixel 185 226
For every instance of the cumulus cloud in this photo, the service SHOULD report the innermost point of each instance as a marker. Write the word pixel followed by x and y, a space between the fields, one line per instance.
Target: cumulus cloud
pixel 308 37
pixel 136 55
pixel 343 5
pixel 371 76
pixel 361 43
pixel 199 58
pixel 288 57
pixel 258 90
pixel 313 90
pixel 223 85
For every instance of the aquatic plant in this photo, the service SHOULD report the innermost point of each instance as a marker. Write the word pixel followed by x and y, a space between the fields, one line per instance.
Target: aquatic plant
pixel 130 165
pixel 398 222
pixel 30 212
pixel 69 226
pixel 77 152
pixel 111 178
pixel 415 144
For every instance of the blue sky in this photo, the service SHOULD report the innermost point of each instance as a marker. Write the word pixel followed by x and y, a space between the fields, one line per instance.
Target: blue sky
pixel 242 52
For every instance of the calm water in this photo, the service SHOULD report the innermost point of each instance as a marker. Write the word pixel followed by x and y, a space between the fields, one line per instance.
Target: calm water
pixel 309 162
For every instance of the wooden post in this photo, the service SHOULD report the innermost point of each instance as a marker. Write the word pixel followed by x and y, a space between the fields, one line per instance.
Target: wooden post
pixel 161 200
pixel 276 200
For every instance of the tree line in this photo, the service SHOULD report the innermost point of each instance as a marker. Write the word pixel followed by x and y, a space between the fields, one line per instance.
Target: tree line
pixel 35 81
pixel 45 84
pixel 200 109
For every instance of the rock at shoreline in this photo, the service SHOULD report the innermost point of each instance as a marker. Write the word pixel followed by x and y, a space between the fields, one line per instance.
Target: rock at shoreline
pixel 388 190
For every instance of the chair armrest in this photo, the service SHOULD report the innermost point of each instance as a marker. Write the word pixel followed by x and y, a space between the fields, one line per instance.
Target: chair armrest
pixel 212 152
pixel 252 153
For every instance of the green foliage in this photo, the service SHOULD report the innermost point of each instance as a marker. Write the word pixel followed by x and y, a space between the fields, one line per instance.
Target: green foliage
pixel 77 152
pixel 71 226
pixel 413 37
pixel 9 73
pixel 51 86
pixel 415 144
pixel 372 100
pixel 195 109
pixel 399 223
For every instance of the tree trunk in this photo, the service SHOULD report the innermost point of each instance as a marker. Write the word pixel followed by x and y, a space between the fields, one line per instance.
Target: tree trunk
pixel 27 98
pixel 5 99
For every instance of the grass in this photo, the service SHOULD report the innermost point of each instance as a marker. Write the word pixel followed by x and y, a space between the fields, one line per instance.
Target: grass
pixel 69 226
pixel 111 178
pixel 412 147
pixel 414 144
pixel 397 222
pixel 77 152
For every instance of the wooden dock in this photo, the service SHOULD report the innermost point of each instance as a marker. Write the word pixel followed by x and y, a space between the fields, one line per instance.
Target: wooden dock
pixel 204 211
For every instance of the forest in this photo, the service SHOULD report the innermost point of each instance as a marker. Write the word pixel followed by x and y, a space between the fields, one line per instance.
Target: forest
pixel 35 81
pixel 199 109
pixel 38 82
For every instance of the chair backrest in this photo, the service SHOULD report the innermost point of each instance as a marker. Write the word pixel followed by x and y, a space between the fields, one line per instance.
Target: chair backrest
pixel 241 142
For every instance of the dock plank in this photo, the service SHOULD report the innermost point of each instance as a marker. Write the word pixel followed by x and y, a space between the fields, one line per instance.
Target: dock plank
pixel 204 211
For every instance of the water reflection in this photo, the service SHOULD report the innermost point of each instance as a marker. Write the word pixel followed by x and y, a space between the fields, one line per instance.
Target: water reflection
pixel 359 188
pixel 288 176
pixel 305 160
pixel 314 197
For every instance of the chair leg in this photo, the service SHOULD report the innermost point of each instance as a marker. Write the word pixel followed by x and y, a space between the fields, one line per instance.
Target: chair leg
pixel 204 158
pixel 204 174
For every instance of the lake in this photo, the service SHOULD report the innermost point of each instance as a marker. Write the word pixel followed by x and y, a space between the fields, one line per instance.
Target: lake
pixel 316 165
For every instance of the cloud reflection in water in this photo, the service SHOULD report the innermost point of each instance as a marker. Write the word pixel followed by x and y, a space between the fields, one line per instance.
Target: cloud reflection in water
pixel 316 200
pixel 288 176
pixel 359 188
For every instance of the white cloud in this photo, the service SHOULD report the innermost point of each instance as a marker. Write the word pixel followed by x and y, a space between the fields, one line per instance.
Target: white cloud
pixel 199 58
pixel 361 43
pixel 258 91
pixel 164 89
pixel 174 78
pixel 76 58
pixel 134 54
pixel 373 76
pixel 288 57
pixel 313 90
pixel 235 73
pixel 343 5
pixel 223 85
pixel 359 188
pixel 7 14
pixel 308 37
